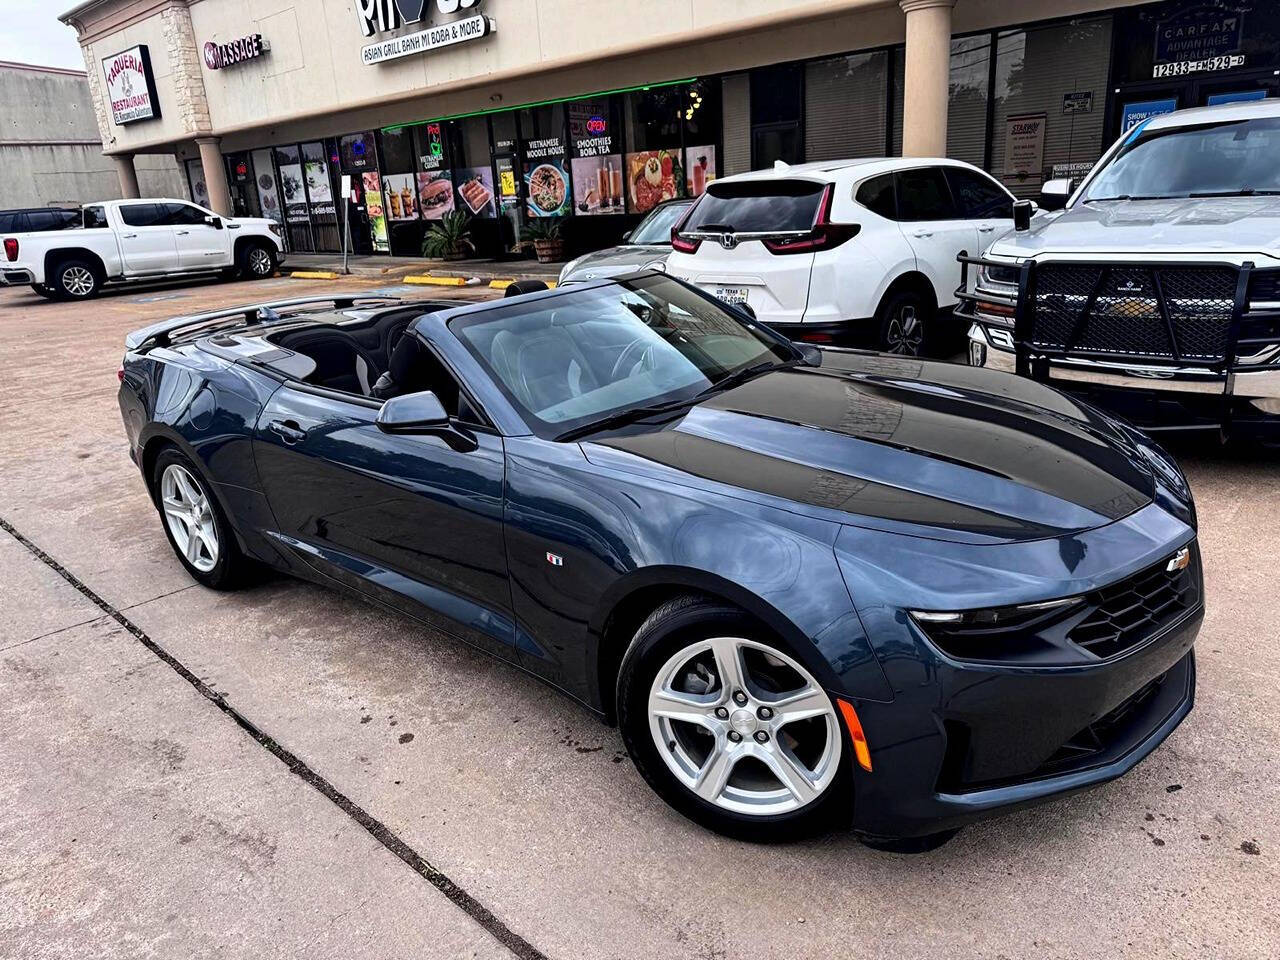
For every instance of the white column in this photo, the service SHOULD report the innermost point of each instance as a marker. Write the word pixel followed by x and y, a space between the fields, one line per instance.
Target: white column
pixel 926 84
pixel 215 174
pixel 127 174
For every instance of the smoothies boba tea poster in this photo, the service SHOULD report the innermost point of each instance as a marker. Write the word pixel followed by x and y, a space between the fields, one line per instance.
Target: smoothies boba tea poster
pixel 402 196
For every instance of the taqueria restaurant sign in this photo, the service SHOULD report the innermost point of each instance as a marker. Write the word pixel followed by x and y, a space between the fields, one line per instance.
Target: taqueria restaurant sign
pixel 376 16
pixel 131 88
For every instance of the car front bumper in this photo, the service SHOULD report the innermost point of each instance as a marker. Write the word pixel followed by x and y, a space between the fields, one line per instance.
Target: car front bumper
pixel 1153 397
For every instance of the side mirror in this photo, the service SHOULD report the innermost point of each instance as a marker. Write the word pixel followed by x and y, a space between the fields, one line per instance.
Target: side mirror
pixel 215 222
pixel 1055 193
pixel 626 236
pixel 422 413
pixel 412 413
pixel 1022 211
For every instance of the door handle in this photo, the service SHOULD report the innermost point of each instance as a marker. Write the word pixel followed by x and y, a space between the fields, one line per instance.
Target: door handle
pixel 287 430
pixel 182 233
pixel 986 229
pixel 128 236
pixel 923 233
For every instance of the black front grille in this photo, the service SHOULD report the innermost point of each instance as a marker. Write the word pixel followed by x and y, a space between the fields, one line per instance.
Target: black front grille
pixel 1100 734
pixel 1170 313
pixel 1265 285
pixel 1131 611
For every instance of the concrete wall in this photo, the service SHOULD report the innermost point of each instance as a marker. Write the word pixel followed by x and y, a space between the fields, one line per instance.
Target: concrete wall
pixel 50 153
pixel 313 82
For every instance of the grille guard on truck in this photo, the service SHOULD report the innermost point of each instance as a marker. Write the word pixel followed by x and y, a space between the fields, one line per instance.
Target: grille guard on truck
pixel 1173 320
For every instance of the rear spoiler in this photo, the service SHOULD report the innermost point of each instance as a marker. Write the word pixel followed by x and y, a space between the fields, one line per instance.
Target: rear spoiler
pixel 163 333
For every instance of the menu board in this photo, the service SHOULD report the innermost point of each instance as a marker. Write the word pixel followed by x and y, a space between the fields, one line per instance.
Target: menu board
pixel 475 190
pixel 376 213
pixel 547 184
pixel 295 200
pixel 435 193
pixel 651 178
pixel 699 169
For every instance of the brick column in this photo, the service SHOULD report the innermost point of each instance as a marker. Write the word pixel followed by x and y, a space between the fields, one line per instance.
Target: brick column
pixel 128 176
pixel 926 85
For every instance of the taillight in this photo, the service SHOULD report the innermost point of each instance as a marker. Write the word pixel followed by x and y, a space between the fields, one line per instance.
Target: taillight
pixel 825 235
pixel 681 245
pixel 120 375
pixel 11 248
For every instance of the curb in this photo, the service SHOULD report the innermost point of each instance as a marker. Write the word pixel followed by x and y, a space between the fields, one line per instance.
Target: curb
pixel 314 275
pixel 436 281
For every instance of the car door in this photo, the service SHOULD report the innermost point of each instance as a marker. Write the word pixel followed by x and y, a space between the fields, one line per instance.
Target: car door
pixel 983 201
pixel 931 224
pixel 409 520
pixel 146 241
pixel 200 245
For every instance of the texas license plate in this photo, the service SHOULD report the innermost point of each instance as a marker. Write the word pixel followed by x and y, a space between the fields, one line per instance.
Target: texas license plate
pixel 734 295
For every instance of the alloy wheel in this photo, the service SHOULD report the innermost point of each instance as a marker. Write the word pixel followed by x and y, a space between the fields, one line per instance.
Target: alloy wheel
pixel 260 264
pixel 905 333
pixel 189 517
pixel 744 726
pixel 77 281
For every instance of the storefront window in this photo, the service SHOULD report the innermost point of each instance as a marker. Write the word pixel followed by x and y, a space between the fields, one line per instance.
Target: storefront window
pixel 595 150
pixel 777 110
pixel 1196 32
pixel 298 223
pixel 546 173
pixel 473 170
pixel 1050 98
pixel 967 106
pixel 654 172
pixel 703 123
pixel 845 106
pixel 264 179
pixel 319 183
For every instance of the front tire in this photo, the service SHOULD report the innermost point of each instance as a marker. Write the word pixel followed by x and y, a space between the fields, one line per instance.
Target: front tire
pixel 194 523
pixel 75 280
pixel 729 728
pixel 257 261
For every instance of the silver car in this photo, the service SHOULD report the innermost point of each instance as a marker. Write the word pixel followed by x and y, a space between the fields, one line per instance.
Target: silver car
pixel 647 246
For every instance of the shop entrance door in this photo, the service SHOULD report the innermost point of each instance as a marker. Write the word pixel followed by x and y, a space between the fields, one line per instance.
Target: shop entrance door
pixel 1136 102
pixel 510 204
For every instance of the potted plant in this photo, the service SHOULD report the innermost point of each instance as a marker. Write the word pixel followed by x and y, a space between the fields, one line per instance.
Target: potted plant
pixel 449 238
pixel 547 243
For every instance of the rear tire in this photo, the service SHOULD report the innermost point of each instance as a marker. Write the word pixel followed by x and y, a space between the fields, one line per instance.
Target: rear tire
pixel 194 523
pixel 257 261
pixel 75 280
pixel 740 767
pixel 906 320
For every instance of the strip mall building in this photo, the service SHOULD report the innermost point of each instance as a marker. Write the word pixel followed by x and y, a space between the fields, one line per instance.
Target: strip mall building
pixel 593 111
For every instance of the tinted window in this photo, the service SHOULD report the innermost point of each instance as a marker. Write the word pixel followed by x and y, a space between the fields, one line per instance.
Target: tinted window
pixel 10 223
pixel 181 214
pixel 978 196
pixel 656 227
pixel 94 217
pixel 40 220
pixel 141 214
pixel 754 206
pixel 877 196
pixel 923 195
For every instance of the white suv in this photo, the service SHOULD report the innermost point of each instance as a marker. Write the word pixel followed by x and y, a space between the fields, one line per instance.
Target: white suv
pixel 846 252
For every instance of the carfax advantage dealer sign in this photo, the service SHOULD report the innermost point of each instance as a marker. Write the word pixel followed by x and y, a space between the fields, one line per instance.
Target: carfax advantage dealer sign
pixel 131 89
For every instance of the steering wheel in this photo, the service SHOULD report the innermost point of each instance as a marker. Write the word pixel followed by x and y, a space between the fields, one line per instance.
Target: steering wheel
pixel 639 351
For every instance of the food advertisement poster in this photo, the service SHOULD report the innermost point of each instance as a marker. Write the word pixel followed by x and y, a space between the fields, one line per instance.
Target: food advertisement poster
pixel 475 191
pixel 295 199
pixel 374 211
pixel 435 193
pixel 548 188
pixel 268 195
pixel 650 178
pixel 402 196
pixel 597 185
pixel 699 169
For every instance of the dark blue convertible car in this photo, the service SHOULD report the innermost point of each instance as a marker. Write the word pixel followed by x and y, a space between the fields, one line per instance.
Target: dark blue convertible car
pixel 812 587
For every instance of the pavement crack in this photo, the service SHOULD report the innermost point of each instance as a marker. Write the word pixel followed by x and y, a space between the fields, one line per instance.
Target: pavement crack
pixel 52 633
pixel 389 839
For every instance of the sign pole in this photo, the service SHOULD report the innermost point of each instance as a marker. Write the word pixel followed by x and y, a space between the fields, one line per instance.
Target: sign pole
pixel 346 221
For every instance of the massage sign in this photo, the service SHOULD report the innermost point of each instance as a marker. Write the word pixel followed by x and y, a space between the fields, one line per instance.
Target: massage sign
pixel 131 88
pixel 457 22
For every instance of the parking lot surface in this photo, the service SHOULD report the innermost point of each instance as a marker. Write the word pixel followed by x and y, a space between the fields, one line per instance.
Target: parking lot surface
pixel 284 772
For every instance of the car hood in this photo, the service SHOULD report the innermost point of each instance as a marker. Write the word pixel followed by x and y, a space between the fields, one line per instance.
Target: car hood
pixel 930 449
pixel 1204 225
pixel 614 261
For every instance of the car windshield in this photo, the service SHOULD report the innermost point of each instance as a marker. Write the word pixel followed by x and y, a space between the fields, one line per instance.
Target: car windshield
pixel 587 355
pixel 655 229
pixel 1227 159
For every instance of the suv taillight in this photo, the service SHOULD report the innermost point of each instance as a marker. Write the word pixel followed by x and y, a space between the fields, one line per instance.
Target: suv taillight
pixel 825 235
pixel 11 248
pixel 683 244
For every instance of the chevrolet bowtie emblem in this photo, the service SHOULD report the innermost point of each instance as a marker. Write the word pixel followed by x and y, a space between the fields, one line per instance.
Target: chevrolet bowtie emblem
pixel 1179 561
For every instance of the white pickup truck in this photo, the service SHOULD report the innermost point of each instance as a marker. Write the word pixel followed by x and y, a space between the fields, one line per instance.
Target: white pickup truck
pixel 1155 293
pixel 131 240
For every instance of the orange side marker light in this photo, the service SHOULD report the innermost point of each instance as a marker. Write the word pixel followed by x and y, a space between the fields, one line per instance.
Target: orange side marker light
pixel 860 748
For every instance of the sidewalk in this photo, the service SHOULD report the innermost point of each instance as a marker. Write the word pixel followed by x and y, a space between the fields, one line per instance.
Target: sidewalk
pixel 392 268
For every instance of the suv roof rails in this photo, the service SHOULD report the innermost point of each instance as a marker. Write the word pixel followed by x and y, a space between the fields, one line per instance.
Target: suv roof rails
pixel 162 334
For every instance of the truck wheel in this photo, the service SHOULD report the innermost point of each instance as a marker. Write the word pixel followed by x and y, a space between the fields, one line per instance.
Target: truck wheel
pixel 75 280
pixel 257 261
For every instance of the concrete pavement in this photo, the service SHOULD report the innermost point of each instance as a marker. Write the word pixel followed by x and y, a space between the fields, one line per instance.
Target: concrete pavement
pixel 522 800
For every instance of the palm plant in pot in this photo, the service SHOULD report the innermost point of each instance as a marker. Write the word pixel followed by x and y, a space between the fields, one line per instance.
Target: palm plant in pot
pixel 449 238
pixel 547 243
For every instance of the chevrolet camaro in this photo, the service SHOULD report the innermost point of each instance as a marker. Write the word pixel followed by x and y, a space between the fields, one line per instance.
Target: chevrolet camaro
pixel 814 588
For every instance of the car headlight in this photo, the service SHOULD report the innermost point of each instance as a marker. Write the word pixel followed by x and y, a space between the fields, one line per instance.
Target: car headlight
pixel 569 267
pixel 993 633
pixel 659 265
pixel 999 275
pixel 274 227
